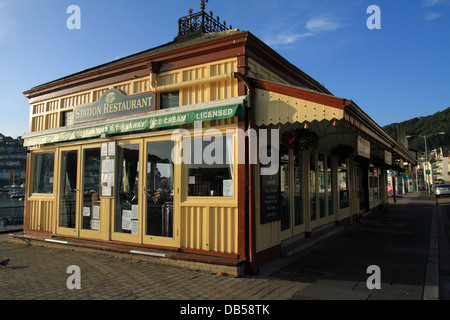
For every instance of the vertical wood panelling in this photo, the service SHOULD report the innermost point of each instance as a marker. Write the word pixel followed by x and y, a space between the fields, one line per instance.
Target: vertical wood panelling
pixel 209 228
pixel 39 215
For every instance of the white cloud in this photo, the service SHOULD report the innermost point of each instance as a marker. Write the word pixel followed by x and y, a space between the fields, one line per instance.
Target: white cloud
pixel 285 39
pixel 430 3
pixel 313 26
pixel 323 23
pixel 6 24
pixel 432 16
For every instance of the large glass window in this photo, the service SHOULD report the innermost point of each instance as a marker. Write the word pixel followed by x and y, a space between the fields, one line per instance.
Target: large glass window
pixel 373 184
pixel 211 167
pixel 127 194
pixel 68 190
pixel 90 192
pixel 43 166
pixel 285 198
pixel 312 185
pixel 322 186
pixel 298 198
pixel 344 190
pixel 160 189
pixel 330 187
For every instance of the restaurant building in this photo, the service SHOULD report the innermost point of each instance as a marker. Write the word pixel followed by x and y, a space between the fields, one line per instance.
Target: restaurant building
pixel 115 154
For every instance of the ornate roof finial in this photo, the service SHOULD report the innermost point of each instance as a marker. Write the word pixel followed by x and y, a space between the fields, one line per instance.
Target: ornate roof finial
pixel 203 4
pixel 200 22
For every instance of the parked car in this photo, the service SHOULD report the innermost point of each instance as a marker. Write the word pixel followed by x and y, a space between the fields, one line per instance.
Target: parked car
pixel 442 190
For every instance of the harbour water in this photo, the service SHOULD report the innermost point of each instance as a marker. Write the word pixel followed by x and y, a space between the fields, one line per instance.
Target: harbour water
pixel 10 208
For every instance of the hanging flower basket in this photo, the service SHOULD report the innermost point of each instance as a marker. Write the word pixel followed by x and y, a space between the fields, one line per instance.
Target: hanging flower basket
pixel 298 139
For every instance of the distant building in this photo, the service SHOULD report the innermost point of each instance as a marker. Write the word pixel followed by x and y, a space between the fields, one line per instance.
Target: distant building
pixel 440 165
pixel 13 157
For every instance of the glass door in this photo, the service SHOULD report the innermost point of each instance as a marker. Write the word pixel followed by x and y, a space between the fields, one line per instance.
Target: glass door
pixel 90 193
pixel 160 217
pixel 128 199
pixel 78 197
pixel 68 198
pixel 292 204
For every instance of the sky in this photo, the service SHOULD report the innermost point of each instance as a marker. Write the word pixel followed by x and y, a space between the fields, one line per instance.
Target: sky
pixel 394 73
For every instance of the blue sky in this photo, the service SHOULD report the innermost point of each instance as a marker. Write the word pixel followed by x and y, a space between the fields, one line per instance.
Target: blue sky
pixel 396 73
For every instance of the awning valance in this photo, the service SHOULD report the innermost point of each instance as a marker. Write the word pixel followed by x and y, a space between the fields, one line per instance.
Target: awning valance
pixel 152 120
pixel 281 104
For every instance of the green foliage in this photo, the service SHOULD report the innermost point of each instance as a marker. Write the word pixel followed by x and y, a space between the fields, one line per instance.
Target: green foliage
pixel 424 126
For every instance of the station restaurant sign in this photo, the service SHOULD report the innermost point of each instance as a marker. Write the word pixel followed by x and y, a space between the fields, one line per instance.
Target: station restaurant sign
pixel 113 104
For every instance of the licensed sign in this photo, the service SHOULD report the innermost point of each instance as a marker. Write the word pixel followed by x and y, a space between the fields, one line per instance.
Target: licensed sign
pixel 112 104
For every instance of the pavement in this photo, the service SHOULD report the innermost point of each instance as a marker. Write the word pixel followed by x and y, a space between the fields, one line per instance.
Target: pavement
pixel 397 253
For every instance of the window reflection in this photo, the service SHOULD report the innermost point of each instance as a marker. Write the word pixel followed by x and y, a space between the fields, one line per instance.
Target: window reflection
pixel 43 165
pixel 285 198
pixel 344 196
pixel 312 185
pixel 90 192
pixel 160 179
pixel 68 191
pixel 127 199
pixel 214 179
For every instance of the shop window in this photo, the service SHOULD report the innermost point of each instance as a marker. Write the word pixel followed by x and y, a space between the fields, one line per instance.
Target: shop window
pixel 211 168
pixel 312 185
pixel 170 99
pixel 330 187
pixel 373 185
pixel 298 198
pixel 285 198
pixel 322 185
pixel 43 166
pixel 344 190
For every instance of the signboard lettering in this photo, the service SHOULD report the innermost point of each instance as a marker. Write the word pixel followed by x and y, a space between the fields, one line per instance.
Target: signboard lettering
pixel 114 103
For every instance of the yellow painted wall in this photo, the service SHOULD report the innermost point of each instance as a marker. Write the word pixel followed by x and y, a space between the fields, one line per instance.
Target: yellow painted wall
pixel 202 83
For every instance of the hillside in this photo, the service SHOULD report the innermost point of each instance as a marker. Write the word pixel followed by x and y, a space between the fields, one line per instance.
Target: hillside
pixel 424 126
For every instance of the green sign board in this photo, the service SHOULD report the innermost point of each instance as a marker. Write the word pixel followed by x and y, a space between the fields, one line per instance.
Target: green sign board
pixel 157 120
pixel 112 104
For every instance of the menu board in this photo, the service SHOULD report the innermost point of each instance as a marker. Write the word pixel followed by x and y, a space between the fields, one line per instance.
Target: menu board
pixel 270 198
